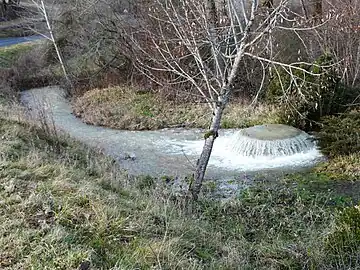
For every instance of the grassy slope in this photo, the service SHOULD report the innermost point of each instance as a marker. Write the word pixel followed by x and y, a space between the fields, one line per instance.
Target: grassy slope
pixel 124 108
pixel 62 204
pixel 9 55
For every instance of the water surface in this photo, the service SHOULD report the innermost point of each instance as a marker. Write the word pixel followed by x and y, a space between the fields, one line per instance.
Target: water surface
pixel 170 152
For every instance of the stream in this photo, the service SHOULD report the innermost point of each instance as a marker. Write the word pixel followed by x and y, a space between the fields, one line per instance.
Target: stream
pixel 166 152
pixel 8 41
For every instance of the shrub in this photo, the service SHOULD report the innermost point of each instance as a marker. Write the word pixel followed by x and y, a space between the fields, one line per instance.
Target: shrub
pixel 340 135
pixel 310 93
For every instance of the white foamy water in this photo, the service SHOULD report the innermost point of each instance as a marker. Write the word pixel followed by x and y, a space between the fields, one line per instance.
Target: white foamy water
pixel 226 157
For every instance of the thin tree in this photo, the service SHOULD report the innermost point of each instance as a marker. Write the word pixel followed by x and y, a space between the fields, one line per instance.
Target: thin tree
pixel 42 10
pixel 205 43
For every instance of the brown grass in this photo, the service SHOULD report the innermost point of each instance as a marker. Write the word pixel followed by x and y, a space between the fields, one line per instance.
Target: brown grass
pixel 128 108
pixel 345 167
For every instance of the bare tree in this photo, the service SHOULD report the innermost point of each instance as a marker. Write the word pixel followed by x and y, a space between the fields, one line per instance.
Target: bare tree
pixel 204 43
pixel 49 35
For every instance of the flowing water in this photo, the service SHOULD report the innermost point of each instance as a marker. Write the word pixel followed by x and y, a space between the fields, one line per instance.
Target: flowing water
pixel 4 42
pixel 173 152
pixel 272 140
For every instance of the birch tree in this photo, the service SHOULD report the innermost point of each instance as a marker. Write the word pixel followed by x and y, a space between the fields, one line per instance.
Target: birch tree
pixel 204 43
pixel 49 35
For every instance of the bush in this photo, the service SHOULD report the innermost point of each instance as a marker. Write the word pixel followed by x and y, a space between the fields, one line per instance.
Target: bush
pixel 18 76
pixel 310 93
pixel 340 135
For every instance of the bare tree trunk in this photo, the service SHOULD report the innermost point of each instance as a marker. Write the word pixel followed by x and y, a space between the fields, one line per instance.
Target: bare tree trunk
pixel 2 10
pixel 53 40
pixel 8 9
pixel 268 3
pixel 304 9
pixel 210 138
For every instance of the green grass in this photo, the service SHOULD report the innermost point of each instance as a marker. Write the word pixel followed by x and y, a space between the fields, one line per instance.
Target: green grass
pixel 126 108
pixel 62 204
pixel 9 55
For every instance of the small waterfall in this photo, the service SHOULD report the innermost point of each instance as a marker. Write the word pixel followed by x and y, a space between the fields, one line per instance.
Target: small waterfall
pixel 252 149
pixel 270 140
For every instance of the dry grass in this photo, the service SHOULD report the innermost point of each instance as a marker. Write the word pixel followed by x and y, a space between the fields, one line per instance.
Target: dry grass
pixel 63 205
pixel 127 108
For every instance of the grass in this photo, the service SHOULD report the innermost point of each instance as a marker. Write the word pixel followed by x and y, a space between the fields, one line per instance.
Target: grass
pixel 63 205
pixel 13 28
pixel 127 108
pixel 344 166
pixel 10 54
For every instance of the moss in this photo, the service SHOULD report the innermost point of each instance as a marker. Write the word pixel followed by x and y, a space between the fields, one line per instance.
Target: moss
pixel 210 133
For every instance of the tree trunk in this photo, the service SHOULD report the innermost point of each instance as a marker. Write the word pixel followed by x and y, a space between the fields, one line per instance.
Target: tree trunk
pixel 53 40
pixel 8 9
pixel 210 137
pixel 304 9
pixel 268 3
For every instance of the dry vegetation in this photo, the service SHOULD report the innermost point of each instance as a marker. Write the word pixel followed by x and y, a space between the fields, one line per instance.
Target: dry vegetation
pixel 63 205
pixel 128 108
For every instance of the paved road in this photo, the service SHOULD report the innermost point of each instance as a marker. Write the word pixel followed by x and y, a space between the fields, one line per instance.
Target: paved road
pixel 16 40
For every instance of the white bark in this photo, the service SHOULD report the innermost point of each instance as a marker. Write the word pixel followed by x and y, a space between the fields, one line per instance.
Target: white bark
pixel 40 4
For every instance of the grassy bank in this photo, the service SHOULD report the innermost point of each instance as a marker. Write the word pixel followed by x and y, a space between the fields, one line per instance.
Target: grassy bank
pixel 9 55
pixel 127 108
pixel 13 28
pixel 63 205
